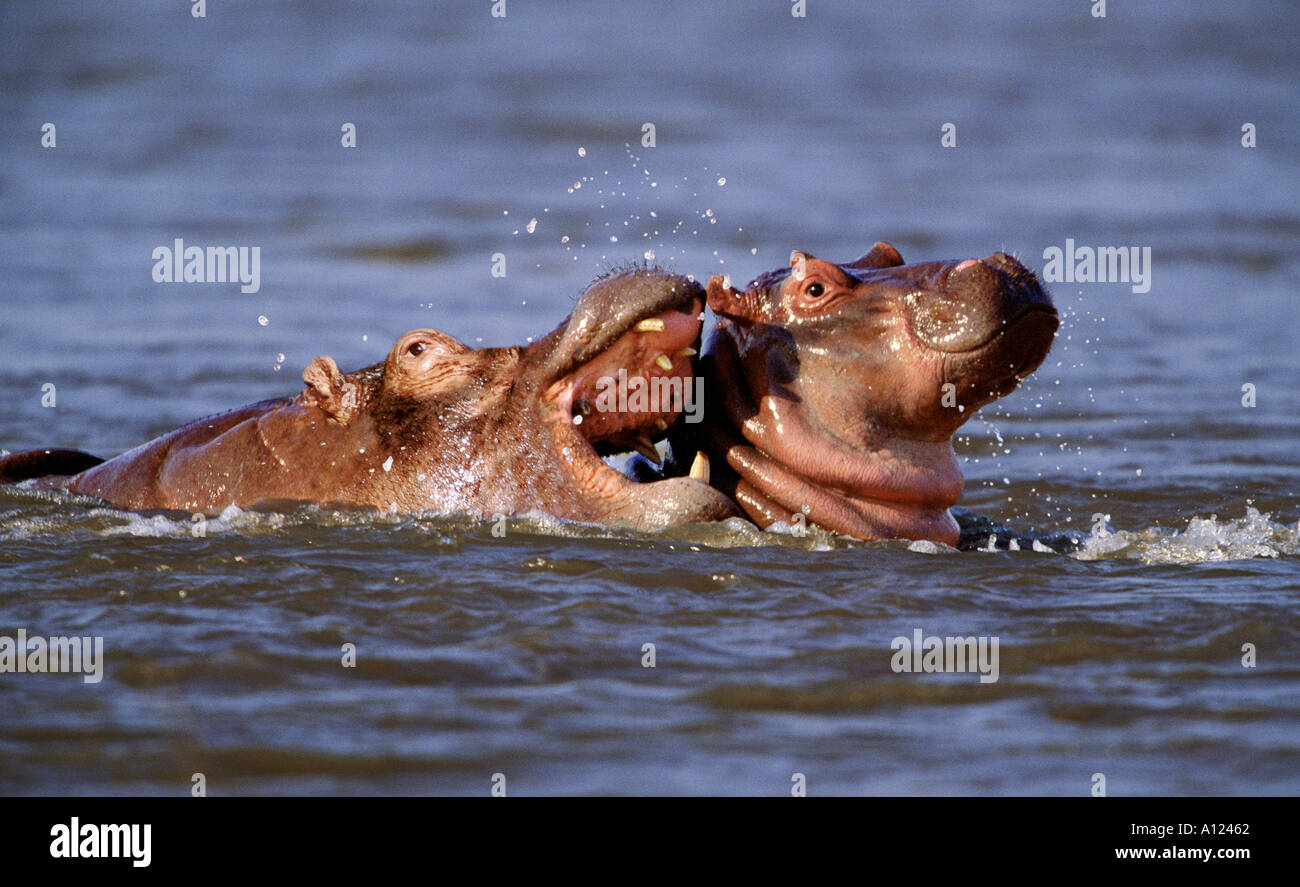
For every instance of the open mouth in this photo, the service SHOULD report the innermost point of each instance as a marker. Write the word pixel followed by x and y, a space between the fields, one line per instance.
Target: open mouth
pixel 626 397
pixel 640 385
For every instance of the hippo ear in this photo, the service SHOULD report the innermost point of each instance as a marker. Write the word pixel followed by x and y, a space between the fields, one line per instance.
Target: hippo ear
pixel 882 255
pixel 799 263
pixel 727 301
pixel 330 390
pixel 720 288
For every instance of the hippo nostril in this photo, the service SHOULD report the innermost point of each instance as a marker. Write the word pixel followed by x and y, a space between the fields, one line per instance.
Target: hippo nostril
pixel 973 276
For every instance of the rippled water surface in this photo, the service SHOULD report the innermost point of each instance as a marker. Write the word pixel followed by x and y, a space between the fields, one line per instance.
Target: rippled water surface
pixel 1129 523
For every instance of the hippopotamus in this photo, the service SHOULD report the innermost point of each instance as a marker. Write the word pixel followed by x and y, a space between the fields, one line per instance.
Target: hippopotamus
pixel 835 389
pixel 439 426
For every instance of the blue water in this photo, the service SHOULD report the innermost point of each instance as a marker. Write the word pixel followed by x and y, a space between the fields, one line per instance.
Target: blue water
pixel 522 655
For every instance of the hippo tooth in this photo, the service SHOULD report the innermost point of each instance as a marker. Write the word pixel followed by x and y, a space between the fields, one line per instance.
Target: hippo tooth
pixel 687 352
pixel 664 362
pixel 650 325
pixel 700 467
pixel 644 446
pixel 661 424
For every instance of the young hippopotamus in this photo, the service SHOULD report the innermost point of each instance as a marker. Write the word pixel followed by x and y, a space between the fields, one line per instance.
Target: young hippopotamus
pixel 834 390
pixel 439 426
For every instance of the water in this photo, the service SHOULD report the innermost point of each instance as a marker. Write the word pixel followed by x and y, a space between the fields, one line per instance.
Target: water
pixel 1121 636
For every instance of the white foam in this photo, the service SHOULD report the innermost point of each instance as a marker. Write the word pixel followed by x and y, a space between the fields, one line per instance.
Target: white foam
pixel 1204 539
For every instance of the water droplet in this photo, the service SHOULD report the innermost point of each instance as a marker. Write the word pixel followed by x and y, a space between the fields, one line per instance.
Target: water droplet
pixel 262 320
pixel 531 226
pixel 582 152
pixel 722 180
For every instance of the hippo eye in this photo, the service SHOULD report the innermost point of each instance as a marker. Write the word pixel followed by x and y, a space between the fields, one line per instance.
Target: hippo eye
pixel 416 349
pixel 815 290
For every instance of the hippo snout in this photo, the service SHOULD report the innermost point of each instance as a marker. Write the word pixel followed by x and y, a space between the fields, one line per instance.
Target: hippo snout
pixel 976 300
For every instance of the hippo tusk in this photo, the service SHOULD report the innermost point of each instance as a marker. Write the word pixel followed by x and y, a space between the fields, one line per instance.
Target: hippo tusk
pixel 700 467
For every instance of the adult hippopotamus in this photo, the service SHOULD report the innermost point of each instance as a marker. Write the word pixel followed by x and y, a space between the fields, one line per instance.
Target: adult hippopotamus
pixel 439 426
pixel 835 388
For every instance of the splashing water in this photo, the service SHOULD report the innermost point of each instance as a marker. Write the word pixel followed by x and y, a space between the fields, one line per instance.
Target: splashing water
pixel 1205 539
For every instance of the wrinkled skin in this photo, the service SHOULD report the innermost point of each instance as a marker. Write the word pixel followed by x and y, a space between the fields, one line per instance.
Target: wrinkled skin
pixel 827 392
pixel 438 426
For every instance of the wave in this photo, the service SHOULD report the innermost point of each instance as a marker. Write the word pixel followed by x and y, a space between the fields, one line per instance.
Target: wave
pixel 1205 539
pixel 27 514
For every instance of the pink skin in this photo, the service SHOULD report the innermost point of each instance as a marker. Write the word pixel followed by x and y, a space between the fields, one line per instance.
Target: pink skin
pixel 638 355
pixel 830 382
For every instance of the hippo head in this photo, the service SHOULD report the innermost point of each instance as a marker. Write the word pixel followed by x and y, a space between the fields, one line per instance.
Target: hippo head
pixel 838 387
pixel 513 430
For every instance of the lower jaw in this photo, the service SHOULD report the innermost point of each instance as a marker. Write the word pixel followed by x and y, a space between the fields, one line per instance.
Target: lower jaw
pixel 769 491
pixel 770 494
pixel 610 497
